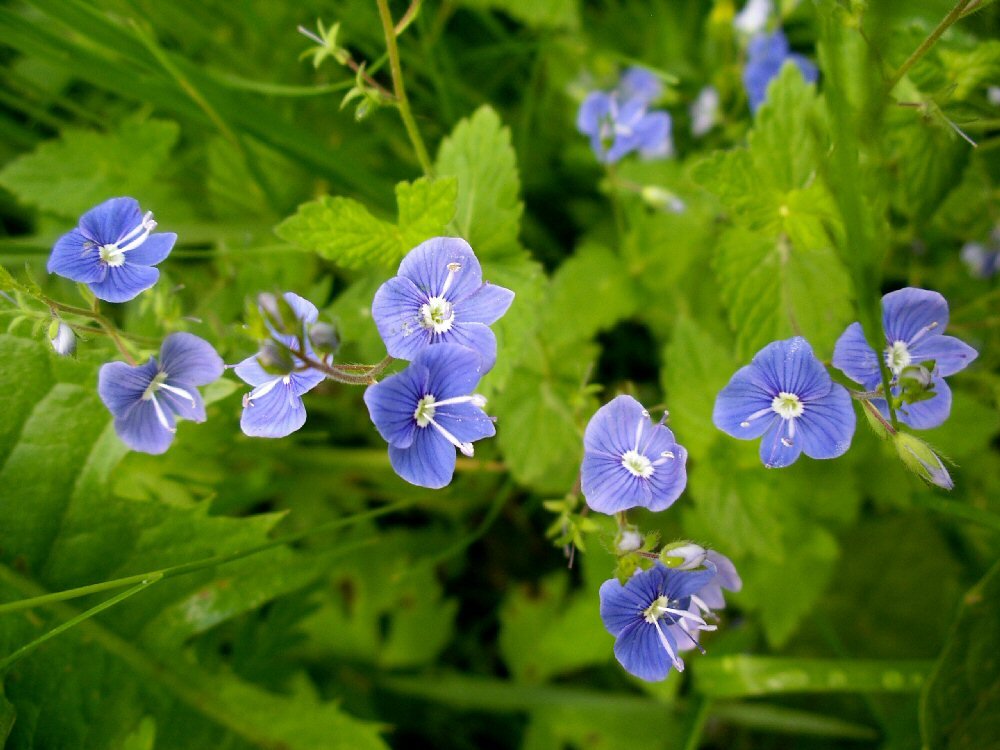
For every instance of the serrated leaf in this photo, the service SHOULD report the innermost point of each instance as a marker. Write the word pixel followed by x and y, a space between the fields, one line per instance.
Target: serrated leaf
pixel 344 231
pixel 479 154
pixel 82 168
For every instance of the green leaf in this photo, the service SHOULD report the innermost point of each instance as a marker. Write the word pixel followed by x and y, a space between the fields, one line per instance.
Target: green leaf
pixel 344 231
pixel 83 168
pixel 479 154
pixel 555 14
pixel 958 705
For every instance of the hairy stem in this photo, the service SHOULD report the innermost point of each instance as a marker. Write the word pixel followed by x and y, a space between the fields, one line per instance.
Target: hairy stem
pixel 953 15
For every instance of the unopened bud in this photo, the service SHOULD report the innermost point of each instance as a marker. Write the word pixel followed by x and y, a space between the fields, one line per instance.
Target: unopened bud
pixel 62 338
pixel 275 358
pixel 628 541
pixel 662 199
pixel 324 338
pixel 921 459
pixel 683 555
pixel 277 313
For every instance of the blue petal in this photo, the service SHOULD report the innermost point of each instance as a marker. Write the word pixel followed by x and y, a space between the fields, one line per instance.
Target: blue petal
pixel 453 370
pixel 652 135
pixel 639 650
pixel 612 429
pixel 746 394
pixel 791 366
pixel 426 265
pixel 124 282
pixel 154 250
pixel 191 407
pixel 594 109
pixel 474 336
pixel 725 571
pixel 853 356
pixel 622 606
pixel 110 221
pixel 466 422
pixel 396 312
pixel 806 67
pixel 926 415
pixel 191 359
pixel 609 487
pixel 949 353
pixel 76 257
pixel 907 312
pixel 680 584
pixel 429 461
pixel 485 305
pixel 140 428
pixel 639 83
pixel 775 454
pixel 121 386
pixel 827 424
pixel 393 402
pixel 303 381
pixel 668 479
pixel 250 371
pixel 277 413
pixel 304 309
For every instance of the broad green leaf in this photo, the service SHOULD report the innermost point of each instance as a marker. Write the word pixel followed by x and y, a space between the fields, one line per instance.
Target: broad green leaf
pixel 479 154
pixel 344 231
pixel 83 168
pixel 959 702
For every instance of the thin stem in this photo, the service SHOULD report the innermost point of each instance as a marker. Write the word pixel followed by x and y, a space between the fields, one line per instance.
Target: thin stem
pixel 191 567
pixel 402 103
pixel 341 374
pixel 616 207
pixel 874 412
pixel 408 17
pixel 953 15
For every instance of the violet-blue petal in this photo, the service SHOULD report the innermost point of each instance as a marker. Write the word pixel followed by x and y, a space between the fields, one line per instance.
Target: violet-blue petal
pixel 485 305
pixel 120 385
pixel 250 372
pixel 108 222
pixel 276 414
pixel 125 282
pixel 639 650
pixel 304 309
pixel 668 480
pixel 429 461
pixel 475 336
pixel 827 424
pixel 609 487
pixel 466 422
pixel 426 265
pixel 303 381
pixel 191 359
pixel 187 405
pixel 396 312
pixel 926 415
pixel 154 249
pixel 140 428
pixel 453 370
pixel 592 112
pixel 612 429
pixel 639 83
pixel 854 357
pixel 652 134
pixel 622 606
pixel 791 366
pixel 907 312
pixel 777 448
pixel 950 354
pixel 745 395
pixel 392 402
pixel 76 257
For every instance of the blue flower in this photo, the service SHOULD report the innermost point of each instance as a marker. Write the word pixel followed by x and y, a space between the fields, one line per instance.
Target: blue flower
pixel 274 407
pixel 146 400
pixel 786 395
pixel 428 410
pixel 439 297
pixel 113 250
pixel 628 461
pixel 914 321
pixel 645 614
pixel 767 55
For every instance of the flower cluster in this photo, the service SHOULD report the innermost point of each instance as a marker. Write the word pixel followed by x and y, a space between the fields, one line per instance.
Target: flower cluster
pixel 619 122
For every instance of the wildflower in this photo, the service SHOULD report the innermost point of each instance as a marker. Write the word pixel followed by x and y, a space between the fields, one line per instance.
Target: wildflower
pixel 439 297
pixel 704 111
pixel 914 321
pixel 62 338
pixel 628 461
pixel 767 54
pixel 752 20
pixel 642 615
pixel 113 250
pixel 983 261
pixel 428 410
pixel 146 400
pixel 786 395
pixel 274 407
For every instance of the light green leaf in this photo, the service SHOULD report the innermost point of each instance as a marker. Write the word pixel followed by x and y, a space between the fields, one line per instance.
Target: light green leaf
pixel 556 14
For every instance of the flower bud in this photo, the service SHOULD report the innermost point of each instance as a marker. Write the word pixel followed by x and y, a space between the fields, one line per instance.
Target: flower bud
pixel 683 555
pixel 62 338
pixel 275 358
pixel 278 314
pixel 662 199
pixel 921 459
pixel 324 338
pixel 628 540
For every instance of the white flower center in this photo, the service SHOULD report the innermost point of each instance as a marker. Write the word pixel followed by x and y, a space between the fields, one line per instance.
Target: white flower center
pixel 637 464
pixel 113 253
pixel 437 315
pixel 656 610
pixel 787 405
pixel 424 412
pixel 897 357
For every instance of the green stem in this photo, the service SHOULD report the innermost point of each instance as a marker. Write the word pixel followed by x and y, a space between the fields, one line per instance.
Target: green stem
pixel 702 709
pixel 342 374
pixel 399 88
pixel 191 567
pixel 953 15
pixel 26 649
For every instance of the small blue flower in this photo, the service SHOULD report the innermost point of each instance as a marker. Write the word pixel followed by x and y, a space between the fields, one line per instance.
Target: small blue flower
pixel 428 410
pixel 914 321
pixel 766 56
pixel 645 614
pixel 113 250
pixel 630 462
pixel 786 395
pixel 439 297
pixel 146 400
pixel 274 408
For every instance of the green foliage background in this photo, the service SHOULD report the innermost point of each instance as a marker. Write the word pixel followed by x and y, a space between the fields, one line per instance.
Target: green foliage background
pixel 869 613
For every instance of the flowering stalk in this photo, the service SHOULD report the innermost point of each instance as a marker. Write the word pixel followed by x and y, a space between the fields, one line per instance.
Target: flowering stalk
pixel 340 373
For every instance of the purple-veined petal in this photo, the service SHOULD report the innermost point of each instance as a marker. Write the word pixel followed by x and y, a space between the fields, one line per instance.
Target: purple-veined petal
pixel 926 415
pixel 452 370
pixel 191 359
pixel 639 83
pixel 141 430
pixel 108 222
pixel 429 461
pixel 466 422
pixel 594 109
pixel 154 250
pixel 791 366
pixel 609 487
pixel 303 381
pixel 826 425
pixel 250 372
pixel 612 429
pixel 77 258
pixel 743 408
pixel 120 386
pixel 124 282
pixel 950 354
pixel 485 305
pixel 725 572
pixel 182 399
pixel 778 448
pixel 275 414
pixel 621 606
pixel 680 584
pixel 640 650
pixel 475 336
pixel 392 404
pixel 668 479
pixel 304 309
pixel 396 312
pixel 427 266
pixel 909 313
pixel 853 356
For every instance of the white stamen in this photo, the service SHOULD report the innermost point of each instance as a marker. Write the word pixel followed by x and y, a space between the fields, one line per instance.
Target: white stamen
pixel 638 430
pixel 637 464
pixel 261 390
pixel 466 448
pixel 787 405
pixel 786 442
pixel 791 429
pixel 437 314
pixel 756 415
pixel 923 332
pixel 160 416
pixel 897 357
pixel 475 399
pixel 700 604
pixel 178 392
pixel 113 253
pixel 425 410
pixel 453 268
pixel 678 663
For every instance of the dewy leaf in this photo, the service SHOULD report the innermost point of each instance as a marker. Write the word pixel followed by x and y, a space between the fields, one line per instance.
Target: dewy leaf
pixel 958 708
pixel 83 168
pixel 479 153
pixel 344 231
